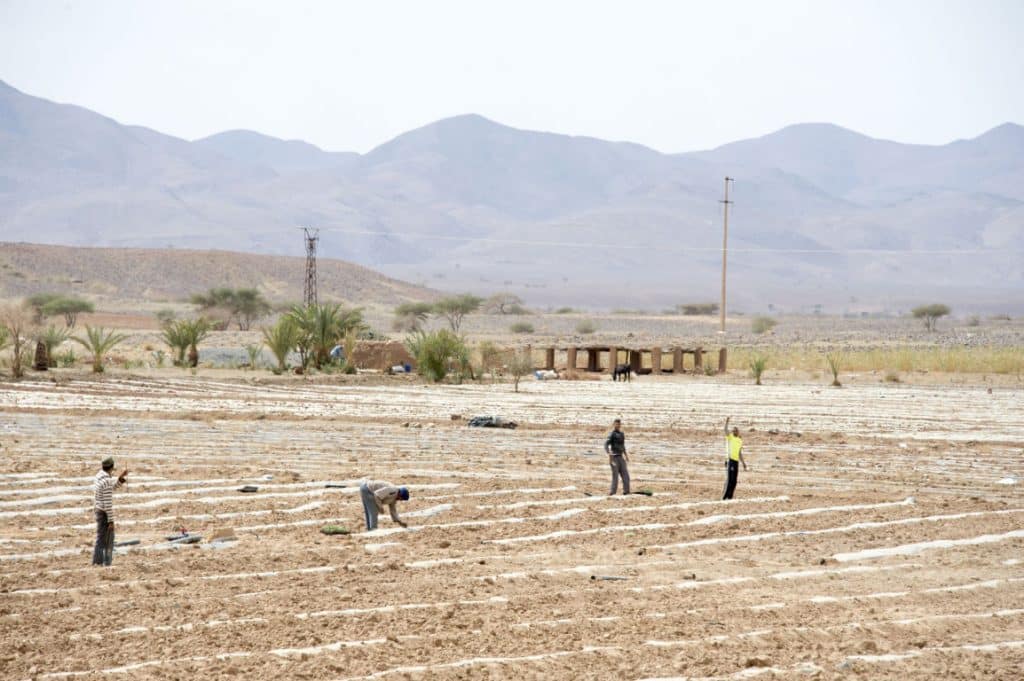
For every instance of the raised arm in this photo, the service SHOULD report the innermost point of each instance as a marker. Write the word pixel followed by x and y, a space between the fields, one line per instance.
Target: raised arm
pixel 727 424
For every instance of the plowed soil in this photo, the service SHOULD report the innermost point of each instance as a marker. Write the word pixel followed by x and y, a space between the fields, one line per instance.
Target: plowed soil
pixel 878 534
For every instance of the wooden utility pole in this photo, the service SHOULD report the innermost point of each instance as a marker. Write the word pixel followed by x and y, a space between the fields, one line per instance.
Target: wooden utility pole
pixel 725 244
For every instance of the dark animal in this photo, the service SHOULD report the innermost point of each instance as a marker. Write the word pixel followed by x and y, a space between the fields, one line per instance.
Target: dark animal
pixel 625 371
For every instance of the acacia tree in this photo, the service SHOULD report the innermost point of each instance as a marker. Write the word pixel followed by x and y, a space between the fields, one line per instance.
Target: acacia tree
pixel 930 314
pixel 411 316
pixel 69 307
pixel 520 365
pixel 503 303
pixel 455 308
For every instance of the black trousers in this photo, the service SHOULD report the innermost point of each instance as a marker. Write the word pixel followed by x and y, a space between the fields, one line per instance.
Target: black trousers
pixel 732 475
pixel 103 552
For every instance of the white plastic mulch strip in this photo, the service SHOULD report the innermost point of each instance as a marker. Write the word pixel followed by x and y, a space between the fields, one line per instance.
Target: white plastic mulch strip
pixel 918 547
pixel 478 661
pixel 801 512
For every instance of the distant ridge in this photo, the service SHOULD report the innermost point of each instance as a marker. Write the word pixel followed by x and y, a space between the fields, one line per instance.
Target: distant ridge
pixel 173 274
pixel 822 215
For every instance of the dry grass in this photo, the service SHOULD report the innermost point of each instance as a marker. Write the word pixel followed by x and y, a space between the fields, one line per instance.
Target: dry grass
pixel 954 360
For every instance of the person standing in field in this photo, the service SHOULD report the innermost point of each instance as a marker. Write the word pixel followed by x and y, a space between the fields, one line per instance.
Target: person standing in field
pixel 377 494
pixel 615 447
pixel 734 457
pixel 103 486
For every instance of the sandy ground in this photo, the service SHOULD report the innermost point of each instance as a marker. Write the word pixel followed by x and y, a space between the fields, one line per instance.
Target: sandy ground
pixel 879 533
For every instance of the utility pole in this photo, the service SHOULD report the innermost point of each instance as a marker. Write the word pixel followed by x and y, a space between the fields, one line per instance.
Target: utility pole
pixel 309 290
pixel 725 244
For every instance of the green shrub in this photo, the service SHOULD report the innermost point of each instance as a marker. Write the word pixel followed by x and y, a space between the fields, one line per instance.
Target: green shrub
pixel 437 353
pixel 564 310
pixel 834 361
pixel 758 363
pixel 521 327
pixel 586 327
pixel 761 325
pixel 98 341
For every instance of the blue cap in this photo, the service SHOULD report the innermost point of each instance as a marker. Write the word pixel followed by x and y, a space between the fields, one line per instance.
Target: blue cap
pixel 403 493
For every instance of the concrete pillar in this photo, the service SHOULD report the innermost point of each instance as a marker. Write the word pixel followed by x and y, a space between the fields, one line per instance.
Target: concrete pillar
pixel 570 358
pixel 655 361
pixel 613 357
pixel 636 360
pixel 698 359
pixel 721 361
pixel 677 361
pixel 549 359
pixel 592 359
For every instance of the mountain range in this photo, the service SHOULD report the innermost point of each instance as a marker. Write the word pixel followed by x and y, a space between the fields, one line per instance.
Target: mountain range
pixel 821 215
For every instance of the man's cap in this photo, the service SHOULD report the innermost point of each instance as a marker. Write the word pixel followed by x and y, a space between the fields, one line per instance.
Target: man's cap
pixel 108 462
pixel 403 493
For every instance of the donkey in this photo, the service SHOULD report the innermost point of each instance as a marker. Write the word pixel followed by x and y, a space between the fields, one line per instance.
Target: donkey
pixel 624 371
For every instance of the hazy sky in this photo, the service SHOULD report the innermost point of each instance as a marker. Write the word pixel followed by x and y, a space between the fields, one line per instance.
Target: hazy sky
pixel 676 76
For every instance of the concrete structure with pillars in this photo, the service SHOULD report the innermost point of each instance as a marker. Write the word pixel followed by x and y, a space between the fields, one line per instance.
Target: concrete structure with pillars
pixel 642 360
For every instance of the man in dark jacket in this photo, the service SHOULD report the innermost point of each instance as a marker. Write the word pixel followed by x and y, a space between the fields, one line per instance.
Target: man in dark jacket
pixel 615 447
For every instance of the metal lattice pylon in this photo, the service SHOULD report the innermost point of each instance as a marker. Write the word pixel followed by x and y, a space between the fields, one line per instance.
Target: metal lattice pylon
pixel 309 290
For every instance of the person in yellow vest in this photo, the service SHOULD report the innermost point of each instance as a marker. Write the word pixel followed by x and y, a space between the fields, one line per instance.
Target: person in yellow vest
pixel 734 457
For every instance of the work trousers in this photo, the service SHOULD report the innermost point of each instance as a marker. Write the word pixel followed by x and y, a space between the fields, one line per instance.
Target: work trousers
pixel 103 553
pixel 731 476
pixel 618 464
pixel 370 509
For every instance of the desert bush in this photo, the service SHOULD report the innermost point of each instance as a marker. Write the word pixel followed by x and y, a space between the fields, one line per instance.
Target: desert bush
pixel 892 377
pixel 564 310
pixel 758 364
pixel 521 327
pixel 17 322
pixel 159 357
pixel 761 325
pixel 281 338
pixel 834 360
pixel 709 369
pixel 930 314
pixel 194 332
pixel 254 351
pixel 165 316
pixel 519 365
pixel 98 341
pixel 974 320
pixel 490 357
pixel 66 359
pixel 437 352
pixel 349 345
pixel 586 327
pixel 693 309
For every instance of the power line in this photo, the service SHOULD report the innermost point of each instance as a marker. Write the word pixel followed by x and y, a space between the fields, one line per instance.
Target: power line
pixel 686 249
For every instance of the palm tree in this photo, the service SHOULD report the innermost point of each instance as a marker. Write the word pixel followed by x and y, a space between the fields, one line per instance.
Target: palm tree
pixel 321 327
pixel 281 338
pixel 52 338
pixel 173 334
pixel 194 331
pixel 99 342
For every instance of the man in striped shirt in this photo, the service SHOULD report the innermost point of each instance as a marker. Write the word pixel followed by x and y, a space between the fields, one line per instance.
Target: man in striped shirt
pixel 103 486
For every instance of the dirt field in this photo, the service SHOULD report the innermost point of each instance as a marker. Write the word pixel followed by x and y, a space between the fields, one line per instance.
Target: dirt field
pixel 879 533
